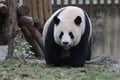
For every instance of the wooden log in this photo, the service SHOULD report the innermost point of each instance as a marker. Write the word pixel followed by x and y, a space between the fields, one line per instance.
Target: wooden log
pixel 23 10
pixel 11 26
pixel 2 1
pixel 3 16
pixel 35 46
pixel 37 25
pixel 31 34
pixel 3 8
pixel 28 22
pixel 25 21
pixel 37 36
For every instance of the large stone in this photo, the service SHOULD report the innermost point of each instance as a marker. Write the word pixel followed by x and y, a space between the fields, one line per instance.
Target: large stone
pixel 3 52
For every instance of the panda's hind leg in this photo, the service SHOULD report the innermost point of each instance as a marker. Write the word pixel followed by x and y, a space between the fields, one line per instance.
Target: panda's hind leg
pixel 89 55
pixel 89 51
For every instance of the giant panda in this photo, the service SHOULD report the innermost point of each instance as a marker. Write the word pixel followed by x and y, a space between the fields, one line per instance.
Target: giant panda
pixel 67 37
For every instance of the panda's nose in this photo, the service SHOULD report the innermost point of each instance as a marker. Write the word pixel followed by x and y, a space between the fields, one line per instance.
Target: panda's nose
pixel 65 43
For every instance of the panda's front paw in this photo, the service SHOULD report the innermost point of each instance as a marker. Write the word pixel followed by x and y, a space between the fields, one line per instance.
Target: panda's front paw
pixel 54 64
pixel 77 63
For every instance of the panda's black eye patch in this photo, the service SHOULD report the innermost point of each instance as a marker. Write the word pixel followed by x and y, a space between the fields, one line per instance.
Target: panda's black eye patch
pixel 61 34
pixel 71 35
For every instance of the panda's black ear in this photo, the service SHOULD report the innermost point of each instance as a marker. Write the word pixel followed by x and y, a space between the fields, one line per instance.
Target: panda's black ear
pixel 78 20
pixel 56 20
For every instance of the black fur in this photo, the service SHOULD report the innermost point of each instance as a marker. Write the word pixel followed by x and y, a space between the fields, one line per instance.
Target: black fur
pixel 52 50
pixel 52 54
pixel 71 35
pixel 78 20
pixel 61 35
pixel 56 20
pixel 79 54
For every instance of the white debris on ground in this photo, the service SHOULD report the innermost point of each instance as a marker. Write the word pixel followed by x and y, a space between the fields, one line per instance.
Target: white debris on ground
pixel 117 65
pixel 105 60
pixel 36 61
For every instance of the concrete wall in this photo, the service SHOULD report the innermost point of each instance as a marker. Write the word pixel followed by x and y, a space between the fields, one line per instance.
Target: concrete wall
pixel 106 30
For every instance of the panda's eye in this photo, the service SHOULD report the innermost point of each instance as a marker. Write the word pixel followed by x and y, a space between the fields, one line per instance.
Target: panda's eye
pixel 71 35
pixel 61 34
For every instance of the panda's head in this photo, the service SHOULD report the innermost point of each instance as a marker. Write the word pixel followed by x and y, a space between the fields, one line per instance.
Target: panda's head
pixel 68 32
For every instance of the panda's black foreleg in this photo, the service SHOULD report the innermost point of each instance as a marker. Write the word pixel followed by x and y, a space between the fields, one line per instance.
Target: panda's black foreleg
pixel 52 59
pixel 79 55
pixel 78 60
pixel 52 54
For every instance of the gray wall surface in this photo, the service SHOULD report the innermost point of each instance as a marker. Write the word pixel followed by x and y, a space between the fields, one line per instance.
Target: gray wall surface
pixel 106 31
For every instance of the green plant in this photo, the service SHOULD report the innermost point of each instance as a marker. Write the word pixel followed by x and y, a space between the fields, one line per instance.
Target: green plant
pixel 22 48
